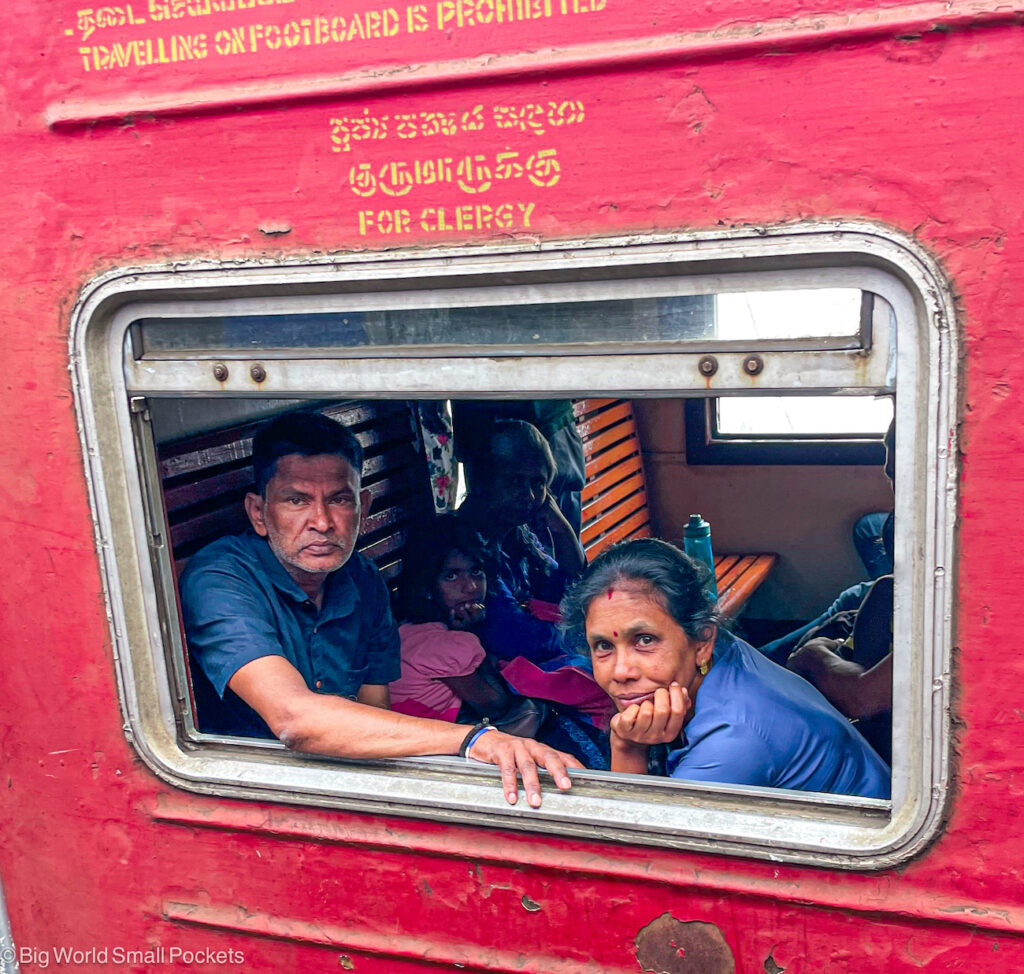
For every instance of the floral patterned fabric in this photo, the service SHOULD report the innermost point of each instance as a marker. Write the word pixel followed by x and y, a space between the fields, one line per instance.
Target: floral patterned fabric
pixel 436 429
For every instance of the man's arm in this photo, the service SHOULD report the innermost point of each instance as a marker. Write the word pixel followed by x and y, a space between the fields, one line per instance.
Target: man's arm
pixel 327 724
pixel 851 689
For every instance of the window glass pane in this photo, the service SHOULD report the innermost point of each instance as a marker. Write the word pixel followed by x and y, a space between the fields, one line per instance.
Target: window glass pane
pixel 529 320
pixel 635 320
pixel 828 313
pixel 790 416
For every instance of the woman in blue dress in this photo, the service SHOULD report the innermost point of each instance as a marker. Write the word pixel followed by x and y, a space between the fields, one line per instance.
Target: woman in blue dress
pixel 696 703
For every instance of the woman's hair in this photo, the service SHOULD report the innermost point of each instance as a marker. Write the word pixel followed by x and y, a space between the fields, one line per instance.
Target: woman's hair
pixel 430 544
pixel 676 581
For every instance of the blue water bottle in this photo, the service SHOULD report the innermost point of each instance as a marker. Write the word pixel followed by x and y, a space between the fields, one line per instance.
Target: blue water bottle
pixel 697 544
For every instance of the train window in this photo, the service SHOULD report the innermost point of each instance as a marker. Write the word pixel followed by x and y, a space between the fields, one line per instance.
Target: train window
pixel 791 429
pixel 166 361
pixel 795 430
pixel 803 416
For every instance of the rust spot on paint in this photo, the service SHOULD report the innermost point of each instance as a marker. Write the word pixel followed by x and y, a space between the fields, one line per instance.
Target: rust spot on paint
pixel 770 967
pixel 670 946
pixel 346 962
pixel 275 229
pixel 531 905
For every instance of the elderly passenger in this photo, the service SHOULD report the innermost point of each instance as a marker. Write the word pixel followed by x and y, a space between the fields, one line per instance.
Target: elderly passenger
pixel 510 496
pixel 693 701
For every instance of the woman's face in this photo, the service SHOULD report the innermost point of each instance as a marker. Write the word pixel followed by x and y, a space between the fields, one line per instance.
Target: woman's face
pixel 461 582
pixel 637 647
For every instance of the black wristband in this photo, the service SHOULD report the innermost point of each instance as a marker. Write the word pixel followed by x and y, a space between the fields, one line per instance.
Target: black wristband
pixel 473 731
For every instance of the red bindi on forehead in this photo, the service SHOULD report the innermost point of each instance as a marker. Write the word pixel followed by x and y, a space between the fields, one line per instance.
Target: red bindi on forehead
pixel 611 592
pixel 615 634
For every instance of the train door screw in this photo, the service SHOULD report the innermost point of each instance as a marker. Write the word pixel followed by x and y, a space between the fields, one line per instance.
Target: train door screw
pixel 220 372
pixel 708 366
pixel 753 365
pixel 258 373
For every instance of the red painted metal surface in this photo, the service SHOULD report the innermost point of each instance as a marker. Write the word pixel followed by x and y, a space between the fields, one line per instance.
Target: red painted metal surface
pixel 123 145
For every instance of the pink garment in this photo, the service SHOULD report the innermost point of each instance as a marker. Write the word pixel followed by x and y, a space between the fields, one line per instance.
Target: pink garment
pixel 545 611
pixel 570 686
pixel 432 652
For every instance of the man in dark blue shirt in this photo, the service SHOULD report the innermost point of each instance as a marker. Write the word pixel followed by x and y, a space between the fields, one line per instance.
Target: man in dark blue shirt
pixel 292 629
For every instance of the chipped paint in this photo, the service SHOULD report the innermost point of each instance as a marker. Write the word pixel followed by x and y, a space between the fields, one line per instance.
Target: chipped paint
pixel 671 946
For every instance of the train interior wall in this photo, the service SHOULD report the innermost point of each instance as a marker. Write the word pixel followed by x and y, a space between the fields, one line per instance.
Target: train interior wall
pixel 805 514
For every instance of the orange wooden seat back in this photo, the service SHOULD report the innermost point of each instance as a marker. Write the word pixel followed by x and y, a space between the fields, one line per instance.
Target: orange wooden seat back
pixel 615 495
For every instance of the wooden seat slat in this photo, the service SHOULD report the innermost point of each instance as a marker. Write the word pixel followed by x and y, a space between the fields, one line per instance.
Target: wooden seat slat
pixel 235 481
pixel 206 458
pixel 582 408
pixel 609 478
pixel 593 423
pixel 203 528
pixel 385 518
pixel 206 451
pixel 385 546
pixel 723 563
pixel 615 495
pixel 732 599
pixel 395 458
pixel 631 485
pixel 611 457
pixel 613 516
pixel 623 430
pixel 637 526
pixel 402 479
pixel 741 565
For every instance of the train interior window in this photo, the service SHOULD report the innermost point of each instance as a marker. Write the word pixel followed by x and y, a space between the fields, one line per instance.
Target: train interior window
pixel 630 358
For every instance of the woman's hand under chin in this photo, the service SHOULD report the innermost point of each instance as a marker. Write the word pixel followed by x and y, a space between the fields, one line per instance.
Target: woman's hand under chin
pixel 659 720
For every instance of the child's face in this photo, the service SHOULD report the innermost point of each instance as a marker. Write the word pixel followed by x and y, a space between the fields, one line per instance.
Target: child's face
pixel 460 582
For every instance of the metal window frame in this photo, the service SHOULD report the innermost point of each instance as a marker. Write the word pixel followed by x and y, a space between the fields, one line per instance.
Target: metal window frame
pixel 762 823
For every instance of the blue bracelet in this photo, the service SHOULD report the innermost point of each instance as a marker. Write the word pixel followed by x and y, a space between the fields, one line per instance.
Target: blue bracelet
pixel 476 737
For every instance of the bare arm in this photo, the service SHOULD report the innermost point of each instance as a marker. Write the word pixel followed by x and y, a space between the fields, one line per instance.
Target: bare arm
pixel 851 689
pixel 326 724
pixel 568 550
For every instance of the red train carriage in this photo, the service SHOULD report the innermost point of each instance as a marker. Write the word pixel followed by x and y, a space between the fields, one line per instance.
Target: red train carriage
pixel 706 227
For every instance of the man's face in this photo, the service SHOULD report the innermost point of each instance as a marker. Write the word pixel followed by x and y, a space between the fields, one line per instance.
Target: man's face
pixel 515 490
pixel 310 514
